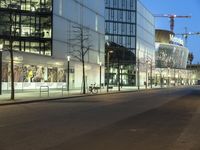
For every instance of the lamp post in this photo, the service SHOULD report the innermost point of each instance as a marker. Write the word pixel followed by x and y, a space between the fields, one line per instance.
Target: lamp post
pixel 161 79
pixel 168 76
pixel 151 73
pixel 108 68
pixel 146 76
pixel 108 65
pixel 1 49
pixel 108 71
pixel 174 77
pixel 68 61
pixel 149 62
pixel 179 78
pixel 121 76
pixel 138 74
pixel 100 65
pixel 156 80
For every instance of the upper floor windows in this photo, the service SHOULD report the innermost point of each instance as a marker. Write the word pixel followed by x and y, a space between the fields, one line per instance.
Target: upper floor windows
pixel 27 5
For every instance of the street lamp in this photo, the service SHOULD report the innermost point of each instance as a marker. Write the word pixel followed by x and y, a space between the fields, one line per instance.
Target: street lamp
pixel 151 72
pixel 108 65
pixel 121 67
pixel 150 63
pixel 174 77
pixel 168 76
pixel 138 74
pixel 161 78
pixel 146 75
pixel 179 78
pixel 68 61
pixel 100 65
pixel 1 49
pixel 156 79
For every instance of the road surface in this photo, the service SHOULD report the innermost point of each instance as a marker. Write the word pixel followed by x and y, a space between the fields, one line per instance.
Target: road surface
pixel 167 119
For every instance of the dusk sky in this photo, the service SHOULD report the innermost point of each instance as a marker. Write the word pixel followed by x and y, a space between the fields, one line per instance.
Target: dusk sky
pixel 179 7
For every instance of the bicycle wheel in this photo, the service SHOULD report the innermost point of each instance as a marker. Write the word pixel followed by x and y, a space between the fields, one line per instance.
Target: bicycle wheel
pixel 95 91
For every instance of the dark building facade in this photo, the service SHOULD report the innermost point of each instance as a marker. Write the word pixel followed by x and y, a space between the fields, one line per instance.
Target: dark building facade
pixel 27 25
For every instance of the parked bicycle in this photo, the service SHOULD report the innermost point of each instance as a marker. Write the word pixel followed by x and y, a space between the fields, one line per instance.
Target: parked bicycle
pixel 93 89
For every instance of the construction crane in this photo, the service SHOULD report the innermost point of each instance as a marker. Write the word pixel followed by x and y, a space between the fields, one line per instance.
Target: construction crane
pixel 186 34
pixel 172 18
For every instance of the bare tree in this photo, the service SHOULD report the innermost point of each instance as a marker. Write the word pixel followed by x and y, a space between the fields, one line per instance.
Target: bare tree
pixel 12 97
pixel 80 47
pixel 8 27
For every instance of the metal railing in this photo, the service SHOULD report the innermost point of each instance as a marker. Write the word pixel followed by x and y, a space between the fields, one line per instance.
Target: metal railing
pixel 63 89
pixel 44 89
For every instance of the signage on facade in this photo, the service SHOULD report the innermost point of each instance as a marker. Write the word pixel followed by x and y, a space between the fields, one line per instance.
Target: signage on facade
pixel 175 40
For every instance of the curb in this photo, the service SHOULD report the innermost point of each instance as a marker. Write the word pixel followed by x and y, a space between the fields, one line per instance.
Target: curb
pixel 16 102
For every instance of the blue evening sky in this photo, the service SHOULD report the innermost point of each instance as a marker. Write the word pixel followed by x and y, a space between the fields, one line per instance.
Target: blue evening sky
pixel 179 7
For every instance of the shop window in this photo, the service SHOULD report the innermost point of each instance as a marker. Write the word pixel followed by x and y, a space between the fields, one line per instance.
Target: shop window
pixel 52 74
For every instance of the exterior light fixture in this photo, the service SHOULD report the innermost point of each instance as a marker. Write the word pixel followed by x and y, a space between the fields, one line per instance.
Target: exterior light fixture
pixel 100 65
pixel 1 49
pixel 68 58
pixel 68 61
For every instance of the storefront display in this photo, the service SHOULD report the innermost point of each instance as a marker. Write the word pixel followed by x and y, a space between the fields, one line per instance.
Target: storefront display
pixel 5 72
pixel 33 73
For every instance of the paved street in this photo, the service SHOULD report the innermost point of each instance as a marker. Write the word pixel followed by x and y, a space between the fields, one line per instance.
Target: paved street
pixel 167 119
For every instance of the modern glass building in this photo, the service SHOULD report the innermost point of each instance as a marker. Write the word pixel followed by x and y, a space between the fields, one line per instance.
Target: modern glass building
pixel 170 51
pixel 171 60
pixel 129 24
pixel 41 33
pixel 145 45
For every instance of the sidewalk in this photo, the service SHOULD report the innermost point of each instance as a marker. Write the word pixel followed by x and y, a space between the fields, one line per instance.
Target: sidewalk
pixel 35 95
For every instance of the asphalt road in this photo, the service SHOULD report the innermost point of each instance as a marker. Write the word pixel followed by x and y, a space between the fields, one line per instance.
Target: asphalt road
pixel 166 119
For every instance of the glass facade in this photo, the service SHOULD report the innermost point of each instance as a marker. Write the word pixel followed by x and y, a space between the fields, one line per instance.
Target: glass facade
pixel 173 56
pixel 121 65
pixel 120 28
pixel 89 15
pixel 145 45
pixel 26 25
pixel 120 23
pixel 130 24
pixel 170 51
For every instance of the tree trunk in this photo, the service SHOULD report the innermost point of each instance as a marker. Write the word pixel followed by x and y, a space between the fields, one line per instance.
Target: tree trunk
pixel 83 61
pixel 118 72
pixel 12 96
pixel 84 91
pixel 12 73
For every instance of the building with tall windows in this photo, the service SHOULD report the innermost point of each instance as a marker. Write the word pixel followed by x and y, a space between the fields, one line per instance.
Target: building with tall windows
pixel 41 34
pixel 171 60
pixel 129 24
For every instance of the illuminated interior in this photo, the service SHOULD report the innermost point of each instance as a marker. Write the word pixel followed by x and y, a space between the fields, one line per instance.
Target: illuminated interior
pixel 27 24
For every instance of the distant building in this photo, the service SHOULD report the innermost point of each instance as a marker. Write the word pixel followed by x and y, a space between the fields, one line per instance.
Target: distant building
pixel 171 60
pixel 170 51
pixel 195 72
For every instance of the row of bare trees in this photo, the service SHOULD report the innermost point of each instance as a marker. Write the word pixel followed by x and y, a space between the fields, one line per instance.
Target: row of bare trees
pixel 80 47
